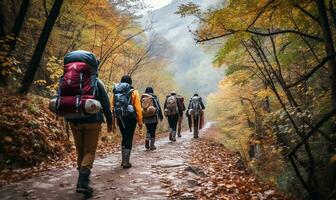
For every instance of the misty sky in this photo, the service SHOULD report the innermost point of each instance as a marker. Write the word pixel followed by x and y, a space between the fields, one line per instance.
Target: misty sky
pixel 156 4
pixel 190 64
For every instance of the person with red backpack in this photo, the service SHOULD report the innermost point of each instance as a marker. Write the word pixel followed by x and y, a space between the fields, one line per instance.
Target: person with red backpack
pixel 173 111
pixel 127 112
pixel 83 102
pixel 180 100
pixel 151 111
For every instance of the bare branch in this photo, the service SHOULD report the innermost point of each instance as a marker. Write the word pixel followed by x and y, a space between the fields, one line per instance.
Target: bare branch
pixel 313 130
pixel 251 103
pixel 45 8
pixel 285 31
pixel 260 13
pixel 143 57
pixel 277 32
pixel 215 37
pixel 304 39
pixel 316 19
pixel 309 74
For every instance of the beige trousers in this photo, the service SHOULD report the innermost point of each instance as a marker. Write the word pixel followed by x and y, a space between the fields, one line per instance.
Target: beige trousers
pixel 86 140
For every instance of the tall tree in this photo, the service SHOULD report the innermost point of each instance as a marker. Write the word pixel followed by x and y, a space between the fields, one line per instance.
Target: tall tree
pixel 40 47
pixel 286 45
pixel 9 46
pixel 2 30
pixel 329 47
pixel 19 22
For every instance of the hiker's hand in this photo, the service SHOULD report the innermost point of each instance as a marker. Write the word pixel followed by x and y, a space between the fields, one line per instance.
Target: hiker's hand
pixel 109 128
pixel 140 126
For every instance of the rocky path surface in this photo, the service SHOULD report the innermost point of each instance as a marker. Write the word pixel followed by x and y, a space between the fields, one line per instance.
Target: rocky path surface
pixel 185 169
pixel 151 174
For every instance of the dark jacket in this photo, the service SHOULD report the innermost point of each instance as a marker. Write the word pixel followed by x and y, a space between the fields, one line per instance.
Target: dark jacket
pixel 154 119
pixel 101 96
pixel 179 108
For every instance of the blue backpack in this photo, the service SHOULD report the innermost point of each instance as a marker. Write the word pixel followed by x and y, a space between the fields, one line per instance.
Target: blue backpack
pixel 122 100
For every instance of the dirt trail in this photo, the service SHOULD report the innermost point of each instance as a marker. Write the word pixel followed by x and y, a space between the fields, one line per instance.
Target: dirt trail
pixel 186 169
pixel 151 172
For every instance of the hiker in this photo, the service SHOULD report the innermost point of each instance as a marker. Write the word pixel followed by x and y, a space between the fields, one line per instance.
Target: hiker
pixel 195 114
pixel 127 111
pixel 82 101
pixel 180 100
pixel 172 110
pixel 152 113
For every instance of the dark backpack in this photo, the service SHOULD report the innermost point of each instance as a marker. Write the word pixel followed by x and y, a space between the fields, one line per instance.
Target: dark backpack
pixel 195 105
pixel 171 105
pixel 122 100
pixel 77 87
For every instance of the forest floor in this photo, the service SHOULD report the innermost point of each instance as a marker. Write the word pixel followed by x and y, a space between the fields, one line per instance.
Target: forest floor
pixel 186 169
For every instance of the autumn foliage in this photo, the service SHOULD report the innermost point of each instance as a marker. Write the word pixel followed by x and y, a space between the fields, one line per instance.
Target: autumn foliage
pixel 276 104
pixel 30 133
pixel 31 136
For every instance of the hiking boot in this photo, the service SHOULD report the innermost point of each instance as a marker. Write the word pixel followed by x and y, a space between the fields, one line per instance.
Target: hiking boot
pixel 196 134
pixel 174 136
pixel 179 129
pixel 179 134
pixel 171 136
pixel 152 146
pixel 147 141
pixel 127 154
pixel 83 182
pixel 147 144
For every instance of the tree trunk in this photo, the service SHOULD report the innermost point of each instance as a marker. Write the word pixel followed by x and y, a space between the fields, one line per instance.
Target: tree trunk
pixel 329 47
pixel 3 81
pixel 40 47
pixel 2 19
pixel 328 184
pixel 19 22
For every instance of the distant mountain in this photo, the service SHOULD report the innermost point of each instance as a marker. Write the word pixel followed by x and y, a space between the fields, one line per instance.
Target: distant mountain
pixel 191 65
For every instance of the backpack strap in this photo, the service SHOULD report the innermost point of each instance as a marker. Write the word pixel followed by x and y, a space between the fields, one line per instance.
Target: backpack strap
pixel 59 86
pixel 94 83
pixel 59 95
pixel 81 83
pixel 129 94
pixel 156 103
pixel 77 102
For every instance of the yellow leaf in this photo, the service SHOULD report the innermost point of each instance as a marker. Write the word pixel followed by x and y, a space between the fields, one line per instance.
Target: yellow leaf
pixel 8 139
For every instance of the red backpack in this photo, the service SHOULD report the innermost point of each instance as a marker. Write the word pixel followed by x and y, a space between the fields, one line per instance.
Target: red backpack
pixel 180 100
pixel 76 91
